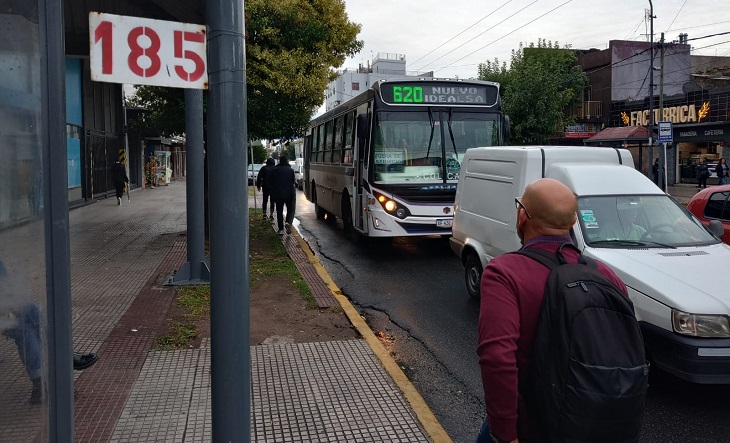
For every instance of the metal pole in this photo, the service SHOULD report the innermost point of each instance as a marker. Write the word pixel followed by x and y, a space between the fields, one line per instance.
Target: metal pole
pixel 55 197
pixel 227 137
pixel 255 205
pixel 651 83
pixel 663 152
pixel 195 270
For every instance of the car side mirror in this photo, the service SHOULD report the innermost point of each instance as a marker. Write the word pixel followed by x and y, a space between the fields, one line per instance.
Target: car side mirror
pixel 716 228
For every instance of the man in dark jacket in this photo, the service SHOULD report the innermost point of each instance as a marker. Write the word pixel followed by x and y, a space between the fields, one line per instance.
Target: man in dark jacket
pixel 119 179
pixel 263 182
pixel 283 192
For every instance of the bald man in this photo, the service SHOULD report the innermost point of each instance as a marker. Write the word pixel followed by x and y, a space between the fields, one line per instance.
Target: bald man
pixel 512 288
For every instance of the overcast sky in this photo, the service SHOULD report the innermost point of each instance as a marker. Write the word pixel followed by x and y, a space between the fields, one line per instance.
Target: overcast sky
pixel 417 27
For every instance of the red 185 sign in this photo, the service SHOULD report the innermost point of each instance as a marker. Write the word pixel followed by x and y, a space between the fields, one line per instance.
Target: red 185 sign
pixel 142 51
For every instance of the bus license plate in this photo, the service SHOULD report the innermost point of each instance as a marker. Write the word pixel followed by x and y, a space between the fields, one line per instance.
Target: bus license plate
pixel 443 222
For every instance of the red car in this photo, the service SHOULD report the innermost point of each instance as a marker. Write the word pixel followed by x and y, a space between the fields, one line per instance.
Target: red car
pixel 713 204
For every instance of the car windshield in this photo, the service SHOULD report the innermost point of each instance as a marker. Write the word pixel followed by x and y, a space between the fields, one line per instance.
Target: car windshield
pixel 639 221
pixel 428 146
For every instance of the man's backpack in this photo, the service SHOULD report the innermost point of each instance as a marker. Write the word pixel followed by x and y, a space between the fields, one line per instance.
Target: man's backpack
pixel 588 373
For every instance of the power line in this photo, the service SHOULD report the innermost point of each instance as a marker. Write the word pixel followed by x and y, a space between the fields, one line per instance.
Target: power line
pixel 708 36
pixel 452 38
pixel 702 26
pixel 675 17
pixel 509 33
pixel 636 28
pixel 479 35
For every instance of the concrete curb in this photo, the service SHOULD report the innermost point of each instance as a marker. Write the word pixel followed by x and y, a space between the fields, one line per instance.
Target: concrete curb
pixel 425 416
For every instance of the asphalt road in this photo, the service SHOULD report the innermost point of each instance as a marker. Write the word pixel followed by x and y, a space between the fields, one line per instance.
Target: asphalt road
pixel 412 292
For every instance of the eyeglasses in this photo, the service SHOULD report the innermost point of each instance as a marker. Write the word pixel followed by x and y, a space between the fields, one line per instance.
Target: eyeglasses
pixel 519 205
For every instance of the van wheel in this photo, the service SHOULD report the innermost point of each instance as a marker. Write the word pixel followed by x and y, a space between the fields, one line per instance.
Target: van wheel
pixel 473 275
pixel 319 212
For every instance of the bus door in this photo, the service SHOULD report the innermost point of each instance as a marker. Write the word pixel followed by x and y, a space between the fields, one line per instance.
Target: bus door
pixel 363 133
pixel 305 169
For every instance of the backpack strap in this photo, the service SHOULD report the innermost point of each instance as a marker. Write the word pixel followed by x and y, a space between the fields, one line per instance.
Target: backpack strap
pixel 550 260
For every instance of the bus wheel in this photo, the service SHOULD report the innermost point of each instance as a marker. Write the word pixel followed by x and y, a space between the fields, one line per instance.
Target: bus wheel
pixel 473 274
pixel 319 212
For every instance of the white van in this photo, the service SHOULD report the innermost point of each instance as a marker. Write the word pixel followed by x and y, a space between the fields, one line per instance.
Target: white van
pixel 673 267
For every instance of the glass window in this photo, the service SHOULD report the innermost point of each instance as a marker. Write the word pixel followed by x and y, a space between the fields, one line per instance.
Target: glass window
pixel 349 139
pixel 327 154
pixel 320 144
pixel 339 133
pixel 715 204
pixel 639 221
pixel 23 356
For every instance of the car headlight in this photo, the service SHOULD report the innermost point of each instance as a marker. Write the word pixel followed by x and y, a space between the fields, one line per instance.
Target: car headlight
pixel 697 325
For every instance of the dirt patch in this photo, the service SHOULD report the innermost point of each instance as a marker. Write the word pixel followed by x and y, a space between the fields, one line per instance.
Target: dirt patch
pixel 279 314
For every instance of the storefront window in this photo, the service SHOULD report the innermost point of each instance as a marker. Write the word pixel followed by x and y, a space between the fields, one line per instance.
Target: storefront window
pixel 23 363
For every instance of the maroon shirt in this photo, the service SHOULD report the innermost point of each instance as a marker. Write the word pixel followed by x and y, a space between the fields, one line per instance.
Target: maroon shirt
pixel 512 288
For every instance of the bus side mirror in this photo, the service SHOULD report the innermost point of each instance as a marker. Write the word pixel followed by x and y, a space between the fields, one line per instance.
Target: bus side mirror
pixel 716 228
pixel 506 131
pixel 362 126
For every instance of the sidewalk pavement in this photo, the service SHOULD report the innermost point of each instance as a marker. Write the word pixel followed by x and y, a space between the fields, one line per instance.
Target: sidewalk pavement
pixel 336 391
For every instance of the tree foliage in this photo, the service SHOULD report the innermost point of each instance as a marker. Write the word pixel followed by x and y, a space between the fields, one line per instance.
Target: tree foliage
pixel 538 89
pixel 292 49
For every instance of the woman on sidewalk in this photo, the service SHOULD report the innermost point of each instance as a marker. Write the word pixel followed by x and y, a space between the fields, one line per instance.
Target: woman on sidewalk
pixel 119 179
pixel 722 171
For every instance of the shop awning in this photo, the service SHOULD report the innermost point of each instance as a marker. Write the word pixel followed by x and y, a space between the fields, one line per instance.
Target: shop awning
pixel 620 134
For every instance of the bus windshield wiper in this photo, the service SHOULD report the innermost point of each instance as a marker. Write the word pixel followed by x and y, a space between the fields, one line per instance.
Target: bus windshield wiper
pixel 430 139
pixel 451 134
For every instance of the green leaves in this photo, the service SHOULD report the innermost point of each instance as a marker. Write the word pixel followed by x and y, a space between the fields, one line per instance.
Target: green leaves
pixel 543 81
pixel 292 49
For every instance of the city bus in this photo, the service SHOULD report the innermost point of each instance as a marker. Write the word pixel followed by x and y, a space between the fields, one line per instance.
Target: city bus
pixel 387 161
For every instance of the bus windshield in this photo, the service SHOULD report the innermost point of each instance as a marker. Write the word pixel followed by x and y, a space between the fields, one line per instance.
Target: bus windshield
pixel 428 146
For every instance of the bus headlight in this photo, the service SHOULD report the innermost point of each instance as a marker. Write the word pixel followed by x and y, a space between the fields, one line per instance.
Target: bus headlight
pixel 697 325
pixel 391 206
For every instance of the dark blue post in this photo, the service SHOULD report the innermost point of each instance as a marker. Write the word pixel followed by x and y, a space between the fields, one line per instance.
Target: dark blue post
pixel 228 200
pixel 58 251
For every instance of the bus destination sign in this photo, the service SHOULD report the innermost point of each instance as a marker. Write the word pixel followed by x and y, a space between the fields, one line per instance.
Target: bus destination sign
pixel 435 93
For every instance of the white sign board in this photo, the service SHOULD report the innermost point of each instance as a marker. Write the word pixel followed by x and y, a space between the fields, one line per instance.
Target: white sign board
pixel 142 51
pixel 388 158
pixel 665 132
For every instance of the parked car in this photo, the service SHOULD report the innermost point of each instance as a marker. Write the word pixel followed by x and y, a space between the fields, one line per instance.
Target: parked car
pixel 713 204
pixel 253 171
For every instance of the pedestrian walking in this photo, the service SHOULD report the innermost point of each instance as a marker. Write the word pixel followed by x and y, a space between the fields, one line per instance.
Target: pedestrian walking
pixel 525 304
pixel 283 192
pixel 119 180
pixel 703 173
pixel 263 184
pixel 655 172
pixel 20 321
pixel 722 171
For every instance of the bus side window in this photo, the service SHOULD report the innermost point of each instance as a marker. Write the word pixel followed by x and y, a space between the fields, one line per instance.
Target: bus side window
pixel 339 139
pixel 327 153
pixel 349 139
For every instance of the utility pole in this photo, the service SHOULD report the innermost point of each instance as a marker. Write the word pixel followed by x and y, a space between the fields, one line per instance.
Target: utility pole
pixel 651 82
pixel 663 153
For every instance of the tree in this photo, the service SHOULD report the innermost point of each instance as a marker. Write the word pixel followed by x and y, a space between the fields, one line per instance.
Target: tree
pixel 541 85
pixel 292 48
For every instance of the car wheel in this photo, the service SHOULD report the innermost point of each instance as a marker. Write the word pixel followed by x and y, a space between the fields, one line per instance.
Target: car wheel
pixel 473 275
